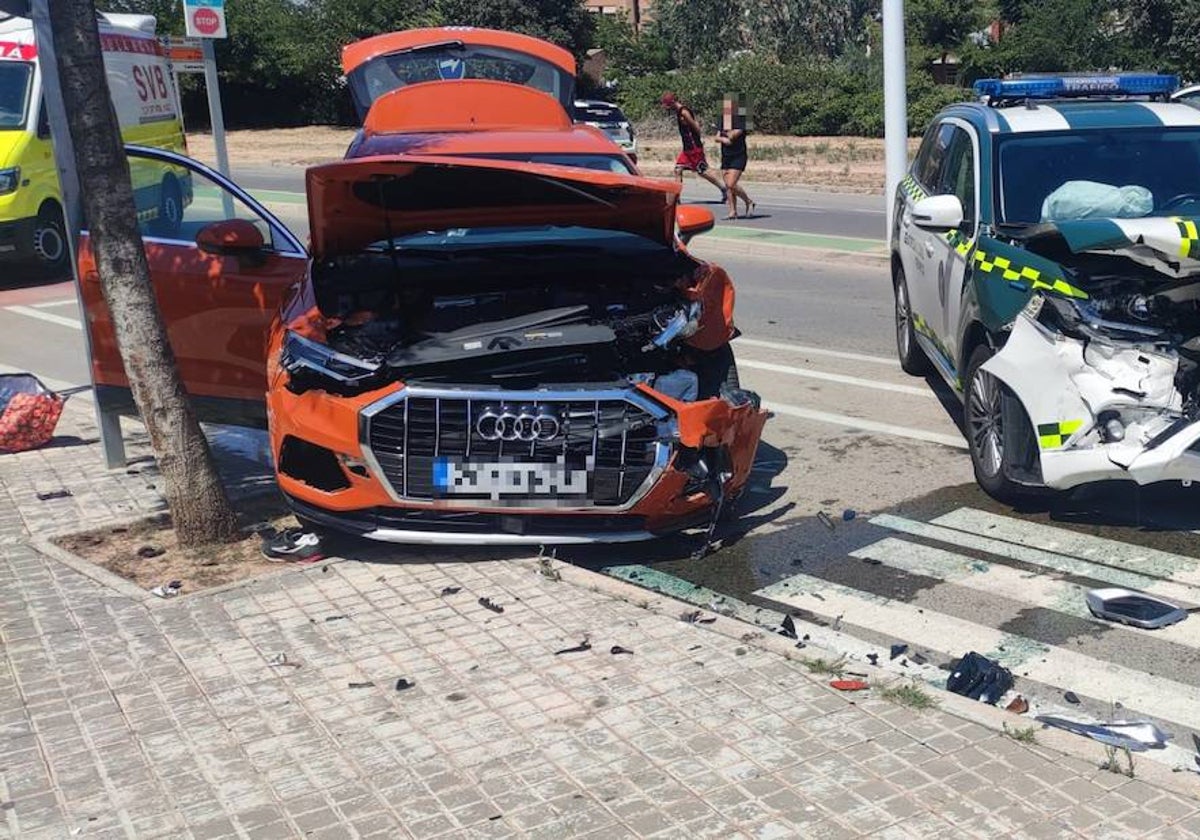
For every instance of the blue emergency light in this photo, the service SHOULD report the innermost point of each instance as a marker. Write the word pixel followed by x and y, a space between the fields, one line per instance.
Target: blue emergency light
pixel 1058 87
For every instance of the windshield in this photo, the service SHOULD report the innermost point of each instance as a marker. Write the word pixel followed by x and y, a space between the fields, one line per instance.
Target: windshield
pixel 602 163
pixel 453 61
pixel 599 112
pixel 15 77
pixel 1126 173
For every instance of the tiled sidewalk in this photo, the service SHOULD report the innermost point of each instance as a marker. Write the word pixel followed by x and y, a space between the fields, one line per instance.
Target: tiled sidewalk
pixel 272 710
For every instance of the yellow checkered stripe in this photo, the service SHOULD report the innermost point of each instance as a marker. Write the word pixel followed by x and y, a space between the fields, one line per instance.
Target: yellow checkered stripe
pixel 1054 435
pixel 1012 272
pixel 1190 246
pixel 147 215
pixel 911 188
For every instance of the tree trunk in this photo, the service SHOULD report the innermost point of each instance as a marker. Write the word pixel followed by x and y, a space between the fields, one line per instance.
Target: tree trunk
pixel 200 509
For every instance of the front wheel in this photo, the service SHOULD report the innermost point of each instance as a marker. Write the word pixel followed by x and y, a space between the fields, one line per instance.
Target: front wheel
pixel 912 358
pixel 999 434
pixel 50 240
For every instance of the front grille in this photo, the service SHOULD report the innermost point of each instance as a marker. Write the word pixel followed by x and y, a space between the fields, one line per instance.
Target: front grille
pixel 616 438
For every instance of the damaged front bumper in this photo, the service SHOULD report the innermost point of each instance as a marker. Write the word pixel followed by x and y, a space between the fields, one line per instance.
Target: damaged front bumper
pixel 1100 410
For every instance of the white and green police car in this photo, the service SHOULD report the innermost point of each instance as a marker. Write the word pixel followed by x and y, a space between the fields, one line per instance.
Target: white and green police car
pixel 1046 263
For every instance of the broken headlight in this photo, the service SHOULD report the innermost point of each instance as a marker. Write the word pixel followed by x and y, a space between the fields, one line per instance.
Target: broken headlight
pixel 312 365
pixel 1089 319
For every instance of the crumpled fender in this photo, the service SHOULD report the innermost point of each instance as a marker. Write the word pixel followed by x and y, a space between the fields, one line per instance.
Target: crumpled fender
pixel 711 286
pixel 1038 367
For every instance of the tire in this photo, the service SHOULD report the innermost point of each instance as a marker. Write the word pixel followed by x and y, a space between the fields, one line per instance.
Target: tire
pixel 998 433
pixel 716 372
pixel 49 243
pixel 913 360
pixel 170 209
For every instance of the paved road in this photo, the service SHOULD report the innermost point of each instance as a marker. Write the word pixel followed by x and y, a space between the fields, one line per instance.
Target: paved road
pixel 927 560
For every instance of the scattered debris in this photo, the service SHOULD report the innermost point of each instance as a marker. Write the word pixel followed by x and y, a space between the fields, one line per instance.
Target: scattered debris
pixel 488 604
pixel 1136 735
pixel 918 659
pixel 617 650
pixel 1136 609
pixel 456 696
pixel 148 552
pixel 740 651
pixel 281 659
pixel 979 678
pixel 168 590
pixel 825 520
pixel 897 650
pixel 837 623
pixel 1071 697
pixel 451 590
pixel 329 618
pixel 873 658
pixel 848 514
pixel 579 648
pixel 697 617
pixel 1018 706
pixel 403 683
pixel 787 628
pixel 54 494
pixel 292 545
pixel 546 568
pixel 360 685
pixel 849 685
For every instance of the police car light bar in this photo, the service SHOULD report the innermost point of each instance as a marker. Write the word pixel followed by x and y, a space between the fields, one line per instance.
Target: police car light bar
pixel 1056 87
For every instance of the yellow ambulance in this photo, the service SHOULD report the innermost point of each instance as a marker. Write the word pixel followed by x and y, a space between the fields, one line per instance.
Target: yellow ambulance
pixel 147 107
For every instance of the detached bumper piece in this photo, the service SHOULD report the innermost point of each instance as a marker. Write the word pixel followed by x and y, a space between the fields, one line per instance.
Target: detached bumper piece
pixel 443 527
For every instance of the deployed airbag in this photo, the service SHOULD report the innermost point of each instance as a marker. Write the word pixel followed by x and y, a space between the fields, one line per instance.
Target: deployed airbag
pixel 1093 200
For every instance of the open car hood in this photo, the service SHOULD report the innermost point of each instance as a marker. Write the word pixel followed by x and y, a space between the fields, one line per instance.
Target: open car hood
pixel 1170 245
pixel 354 203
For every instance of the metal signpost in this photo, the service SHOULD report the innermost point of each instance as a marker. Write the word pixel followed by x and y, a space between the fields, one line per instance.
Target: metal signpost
pixel 205 20
pixel 895 104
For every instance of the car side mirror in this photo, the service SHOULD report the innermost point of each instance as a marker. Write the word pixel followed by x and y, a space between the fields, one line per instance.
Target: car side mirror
pixel 693 221
pixel 938 213
pixel 232 238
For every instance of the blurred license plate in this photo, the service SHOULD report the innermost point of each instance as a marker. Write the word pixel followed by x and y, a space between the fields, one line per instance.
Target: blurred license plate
pixel 506 479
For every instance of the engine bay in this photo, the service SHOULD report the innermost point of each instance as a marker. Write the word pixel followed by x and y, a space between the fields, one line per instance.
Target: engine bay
pixel 519 319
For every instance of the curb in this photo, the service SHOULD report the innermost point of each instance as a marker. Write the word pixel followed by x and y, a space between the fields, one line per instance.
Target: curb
pixel 791 252
pixel 1052 744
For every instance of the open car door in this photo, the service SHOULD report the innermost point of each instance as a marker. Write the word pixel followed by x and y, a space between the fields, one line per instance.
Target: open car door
pixel 221 266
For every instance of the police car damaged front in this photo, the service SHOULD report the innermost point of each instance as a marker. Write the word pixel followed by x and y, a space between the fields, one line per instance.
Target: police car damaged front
pixel 1104 359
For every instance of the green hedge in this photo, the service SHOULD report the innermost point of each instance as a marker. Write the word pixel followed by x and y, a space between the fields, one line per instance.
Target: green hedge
pixel 816 98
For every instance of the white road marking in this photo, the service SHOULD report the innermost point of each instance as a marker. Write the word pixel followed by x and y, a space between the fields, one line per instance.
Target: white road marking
pixel 815 351
pixel 1106 681
pixel 50 317
pixel 859 424
pixel 1038 590
pixel 1045 559
pixel 808 373
pixel 1133 558
pixel 53 303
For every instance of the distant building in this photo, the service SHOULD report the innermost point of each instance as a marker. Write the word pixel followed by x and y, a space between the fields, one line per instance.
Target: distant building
pixel 639 12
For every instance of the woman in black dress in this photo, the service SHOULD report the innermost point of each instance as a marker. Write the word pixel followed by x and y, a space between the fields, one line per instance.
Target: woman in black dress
pixel 734 154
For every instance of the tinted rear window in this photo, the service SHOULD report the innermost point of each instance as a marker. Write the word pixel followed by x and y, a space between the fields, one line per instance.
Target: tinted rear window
pixel 598 112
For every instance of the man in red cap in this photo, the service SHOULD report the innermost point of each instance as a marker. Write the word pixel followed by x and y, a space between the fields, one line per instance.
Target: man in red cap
pixel 692 158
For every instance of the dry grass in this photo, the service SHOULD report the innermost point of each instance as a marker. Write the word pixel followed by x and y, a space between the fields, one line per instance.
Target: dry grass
pixel 833 668
pixel 846 164
pixel 908 694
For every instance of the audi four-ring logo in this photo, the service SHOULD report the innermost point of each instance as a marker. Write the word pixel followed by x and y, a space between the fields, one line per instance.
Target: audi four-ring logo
pixel 526 423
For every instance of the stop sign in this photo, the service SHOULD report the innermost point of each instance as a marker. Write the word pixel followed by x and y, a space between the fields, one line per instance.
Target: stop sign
pixel 206 21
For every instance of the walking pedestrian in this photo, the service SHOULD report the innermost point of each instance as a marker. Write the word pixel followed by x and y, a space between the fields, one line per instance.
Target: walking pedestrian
pixel 692 158
pixel 735 155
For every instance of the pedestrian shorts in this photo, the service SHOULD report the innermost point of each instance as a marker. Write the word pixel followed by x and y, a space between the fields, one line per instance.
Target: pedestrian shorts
pixel 692 160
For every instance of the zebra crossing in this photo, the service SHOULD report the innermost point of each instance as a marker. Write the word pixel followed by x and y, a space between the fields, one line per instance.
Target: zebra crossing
pixel 1008 588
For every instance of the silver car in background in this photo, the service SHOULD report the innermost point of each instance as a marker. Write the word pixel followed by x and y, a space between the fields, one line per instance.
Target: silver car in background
pixel 608 118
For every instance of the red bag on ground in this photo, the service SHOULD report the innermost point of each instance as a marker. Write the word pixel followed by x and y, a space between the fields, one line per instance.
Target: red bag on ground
pixel 29 411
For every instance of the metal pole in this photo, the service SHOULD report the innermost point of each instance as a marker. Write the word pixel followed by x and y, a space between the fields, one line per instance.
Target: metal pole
pixel 895 107
pixel 216 118
pixel 108 423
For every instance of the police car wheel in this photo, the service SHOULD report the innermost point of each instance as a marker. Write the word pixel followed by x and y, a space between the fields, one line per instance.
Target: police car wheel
pixel 992 435
pixel 912 357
